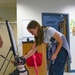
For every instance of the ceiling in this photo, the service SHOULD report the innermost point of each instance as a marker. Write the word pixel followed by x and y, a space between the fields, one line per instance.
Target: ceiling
pixel 7 3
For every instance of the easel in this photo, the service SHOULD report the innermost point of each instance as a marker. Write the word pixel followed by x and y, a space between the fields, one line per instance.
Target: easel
pixel 13 48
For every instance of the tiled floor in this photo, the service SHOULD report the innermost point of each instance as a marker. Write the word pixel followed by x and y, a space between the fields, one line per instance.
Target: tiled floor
pixel 69 73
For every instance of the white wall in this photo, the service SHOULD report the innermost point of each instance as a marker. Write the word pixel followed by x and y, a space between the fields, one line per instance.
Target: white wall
pixel 32 9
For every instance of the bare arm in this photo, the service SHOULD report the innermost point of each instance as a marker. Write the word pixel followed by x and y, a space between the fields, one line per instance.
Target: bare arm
pixel 1 42
pixel 32 51
pixel 59 40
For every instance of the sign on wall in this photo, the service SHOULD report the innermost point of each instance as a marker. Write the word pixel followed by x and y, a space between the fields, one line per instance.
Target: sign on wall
pixel 25 33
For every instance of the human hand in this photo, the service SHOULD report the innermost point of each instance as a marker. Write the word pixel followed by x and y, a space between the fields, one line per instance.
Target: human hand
pixel 19 61
pixel 1 42
pixel 53 57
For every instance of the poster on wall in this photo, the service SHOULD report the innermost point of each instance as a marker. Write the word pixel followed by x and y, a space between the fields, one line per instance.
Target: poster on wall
pixel 25 34
pixel 72 42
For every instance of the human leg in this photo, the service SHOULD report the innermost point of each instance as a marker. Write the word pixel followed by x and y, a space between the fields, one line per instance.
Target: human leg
pixel 59 63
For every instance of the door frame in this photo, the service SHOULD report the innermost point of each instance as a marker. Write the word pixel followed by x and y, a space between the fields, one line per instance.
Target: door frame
pixel 67 28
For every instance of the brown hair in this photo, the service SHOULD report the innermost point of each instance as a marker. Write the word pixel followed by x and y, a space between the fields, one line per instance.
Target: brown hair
pixel 32 25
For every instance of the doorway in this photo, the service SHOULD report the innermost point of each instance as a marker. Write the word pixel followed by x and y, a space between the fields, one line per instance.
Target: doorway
pixel 61 23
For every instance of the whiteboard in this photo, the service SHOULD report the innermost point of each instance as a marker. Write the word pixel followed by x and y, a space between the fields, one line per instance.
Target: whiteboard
pixel 25 33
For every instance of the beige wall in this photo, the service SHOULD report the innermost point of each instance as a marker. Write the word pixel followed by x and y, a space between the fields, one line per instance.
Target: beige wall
pixel 6 46
pixel 8 14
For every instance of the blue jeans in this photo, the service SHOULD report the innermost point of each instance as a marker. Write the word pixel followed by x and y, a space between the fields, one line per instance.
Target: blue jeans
pixel 58 67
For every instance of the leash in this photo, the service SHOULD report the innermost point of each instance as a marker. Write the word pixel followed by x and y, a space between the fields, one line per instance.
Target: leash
pixel 35 65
